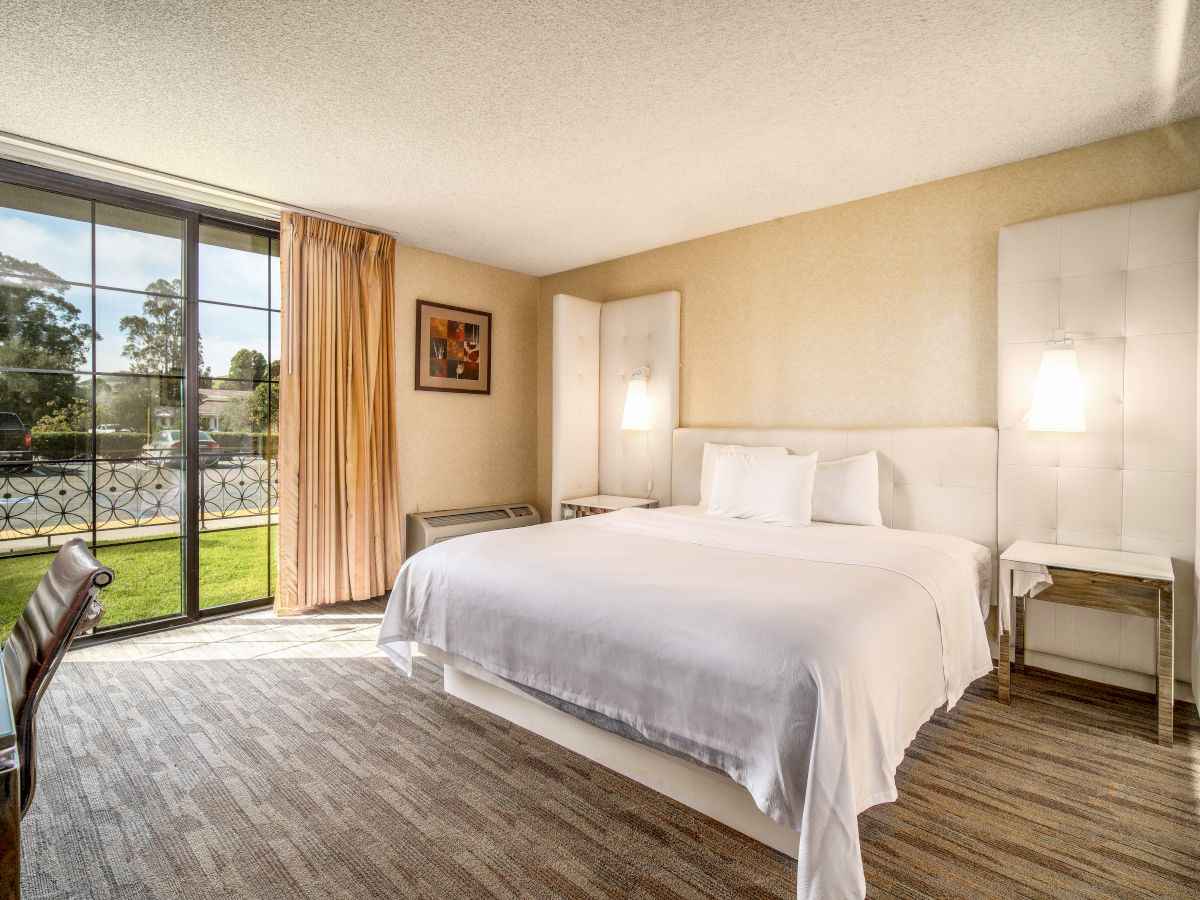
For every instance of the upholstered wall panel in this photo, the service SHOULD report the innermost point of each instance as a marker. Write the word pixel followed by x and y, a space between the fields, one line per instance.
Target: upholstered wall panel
pixel 1122 279
pixel 637 332
pixel 1195 635
pixel 576 443
pixel 930 479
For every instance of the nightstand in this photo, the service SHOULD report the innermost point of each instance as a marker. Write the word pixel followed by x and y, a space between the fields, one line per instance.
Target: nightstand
pixel 603 503
pixel 1137 584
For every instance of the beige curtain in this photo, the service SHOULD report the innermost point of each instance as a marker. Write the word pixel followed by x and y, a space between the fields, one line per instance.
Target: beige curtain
pixel 339 495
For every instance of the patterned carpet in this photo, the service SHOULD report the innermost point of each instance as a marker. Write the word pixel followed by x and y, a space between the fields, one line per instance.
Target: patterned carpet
pixel 336 777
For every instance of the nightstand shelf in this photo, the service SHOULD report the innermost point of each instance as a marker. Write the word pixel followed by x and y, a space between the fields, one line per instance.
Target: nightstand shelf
pixel 603 503
pixel 1136 584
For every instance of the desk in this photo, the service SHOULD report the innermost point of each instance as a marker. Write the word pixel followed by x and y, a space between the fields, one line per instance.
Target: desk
pixel 603 503
pixel 1136 584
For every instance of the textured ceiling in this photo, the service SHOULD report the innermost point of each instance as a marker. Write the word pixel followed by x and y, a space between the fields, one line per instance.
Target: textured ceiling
pixel 544 135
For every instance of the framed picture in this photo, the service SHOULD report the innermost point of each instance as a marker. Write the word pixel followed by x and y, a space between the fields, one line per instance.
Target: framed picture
pixel 454 349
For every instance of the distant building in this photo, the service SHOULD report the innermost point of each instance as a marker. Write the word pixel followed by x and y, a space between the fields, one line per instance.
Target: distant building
pixel 213 411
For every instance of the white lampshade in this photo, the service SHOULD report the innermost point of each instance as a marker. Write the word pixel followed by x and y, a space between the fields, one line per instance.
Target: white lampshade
pixel 1058 393
pixel 637 403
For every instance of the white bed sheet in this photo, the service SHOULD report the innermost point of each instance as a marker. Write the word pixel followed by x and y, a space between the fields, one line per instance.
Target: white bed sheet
pixel 799 661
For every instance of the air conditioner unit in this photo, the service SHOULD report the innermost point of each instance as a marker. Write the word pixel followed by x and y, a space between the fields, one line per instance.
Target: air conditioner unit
pixel 429 528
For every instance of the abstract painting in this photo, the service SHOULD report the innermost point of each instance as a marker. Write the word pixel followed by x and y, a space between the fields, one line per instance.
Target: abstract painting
pixel 454 351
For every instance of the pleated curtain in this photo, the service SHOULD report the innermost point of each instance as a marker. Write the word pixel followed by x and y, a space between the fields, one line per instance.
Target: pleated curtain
pixel 339 492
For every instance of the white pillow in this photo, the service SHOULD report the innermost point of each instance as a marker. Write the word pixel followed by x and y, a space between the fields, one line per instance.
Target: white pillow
pixel 764 488
pixel 846 491
pixel 712 451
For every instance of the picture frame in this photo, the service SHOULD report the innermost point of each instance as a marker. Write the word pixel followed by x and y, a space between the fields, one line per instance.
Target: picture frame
pixel 454 349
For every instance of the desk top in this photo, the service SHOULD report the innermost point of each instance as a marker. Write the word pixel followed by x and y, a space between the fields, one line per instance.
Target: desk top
pixel 1112 562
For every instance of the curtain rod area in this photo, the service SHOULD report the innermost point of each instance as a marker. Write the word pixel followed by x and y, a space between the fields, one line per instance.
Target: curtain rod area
pixel 99 168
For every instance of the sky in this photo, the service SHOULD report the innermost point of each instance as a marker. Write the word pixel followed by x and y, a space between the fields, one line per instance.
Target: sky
pixel 131 260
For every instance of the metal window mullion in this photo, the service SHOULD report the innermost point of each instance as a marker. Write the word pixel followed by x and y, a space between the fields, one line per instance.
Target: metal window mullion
pixel 94 449
pixel 268 467
pixel 191 418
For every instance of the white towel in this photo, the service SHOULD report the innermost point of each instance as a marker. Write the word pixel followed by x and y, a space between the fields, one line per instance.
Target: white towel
pixel 1030 580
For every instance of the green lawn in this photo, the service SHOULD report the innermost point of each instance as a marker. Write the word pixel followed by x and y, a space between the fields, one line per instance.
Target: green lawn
pixel 233 567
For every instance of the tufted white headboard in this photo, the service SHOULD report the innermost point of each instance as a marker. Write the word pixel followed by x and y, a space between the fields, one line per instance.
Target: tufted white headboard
pixel 1122 281
pixel 597 347
pixel 930 479
pixel 575 400
pixel 640 331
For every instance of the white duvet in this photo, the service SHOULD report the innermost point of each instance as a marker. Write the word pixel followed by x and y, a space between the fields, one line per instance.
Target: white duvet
pixel 799 661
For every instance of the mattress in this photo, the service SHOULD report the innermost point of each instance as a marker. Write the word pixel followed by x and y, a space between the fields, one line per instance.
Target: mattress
pixel 798 661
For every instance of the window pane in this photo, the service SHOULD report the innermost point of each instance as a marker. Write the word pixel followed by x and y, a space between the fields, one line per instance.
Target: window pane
pixel 138 497
pixel 44 502
pixel 138 251
pixel 273 372
pixel 44 325
pixel 276 285
pixel 135 414
pixel 234 266
pixel 234 565
pixel 268 405
pixel 45 235
pixel 54 410
pixel 139 333
pixel 233 343
pixel 234 479
pixel 236 494
pixel 236 408
pixel 19 575
pixel 148 583
pixel 273 568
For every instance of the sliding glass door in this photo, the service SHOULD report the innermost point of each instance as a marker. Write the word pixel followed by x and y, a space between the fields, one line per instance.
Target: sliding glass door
pixel 138 396
pixel 238 411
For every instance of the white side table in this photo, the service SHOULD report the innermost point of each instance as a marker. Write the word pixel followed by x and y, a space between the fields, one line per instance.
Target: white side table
pixel 1138 584
pixel 603 503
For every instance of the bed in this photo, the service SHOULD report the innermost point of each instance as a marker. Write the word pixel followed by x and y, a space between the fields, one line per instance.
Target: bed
pixel 769 677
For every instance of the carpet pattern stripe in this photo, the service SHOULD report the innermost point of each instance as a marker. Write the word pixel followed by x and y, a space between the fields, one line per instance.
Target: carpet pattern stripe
pixel 331 778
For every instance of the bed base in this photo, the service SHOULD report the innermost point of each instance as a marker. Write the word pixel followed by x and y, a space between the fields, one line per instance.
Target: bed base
pixel 704 790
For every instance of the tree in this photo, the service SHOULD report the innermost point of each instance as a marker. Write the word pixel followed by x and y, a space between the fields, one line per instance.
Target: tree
pixel 264 403
pixel 75 415
pixel 39 329
pixel 239 415
pixel 154 346
pixel 130 402
pixel 154 340
pixel 246 366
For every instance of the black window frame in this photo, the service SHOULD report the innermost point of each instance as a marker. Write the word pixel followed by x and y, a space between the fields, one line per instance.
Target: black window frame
pixel 193 216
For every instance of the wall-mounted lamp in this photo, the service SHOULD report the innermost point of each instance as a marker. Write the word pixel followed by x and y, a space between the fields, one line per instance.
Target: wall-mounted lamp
pixel 637 402
pixel 1058 392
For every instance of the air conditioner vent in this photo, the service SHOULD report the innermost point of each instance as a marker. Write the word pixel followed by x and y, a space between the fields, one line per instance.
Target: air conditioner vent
pixel 466 518
pixel 427 529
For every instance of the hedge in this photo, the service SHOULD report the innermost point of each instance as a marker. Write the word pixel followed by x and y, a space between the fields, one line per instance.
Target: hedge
pixel 128 444
pixel 75 444
pixel 253 443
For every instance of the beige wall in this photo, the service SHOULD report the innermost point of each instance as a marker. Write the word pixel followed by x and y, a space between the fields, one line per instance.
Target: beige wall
pixel 458 449
pixel 873 313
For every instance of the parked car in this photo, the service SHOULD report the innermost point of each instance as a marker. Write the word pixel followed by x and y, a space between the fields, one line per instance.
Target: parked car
pixel 166 448
pixel 111 429
pixel 16 443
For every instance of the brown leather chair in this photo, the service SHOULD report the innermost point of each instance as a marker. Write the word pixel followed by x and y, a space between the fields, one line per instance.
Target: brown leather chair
pixel 63 606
